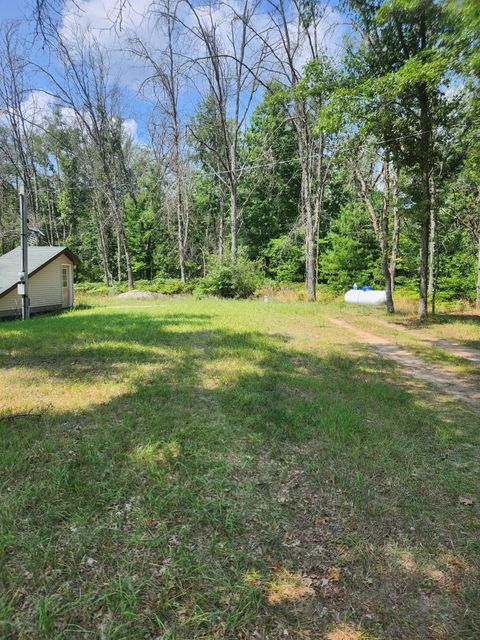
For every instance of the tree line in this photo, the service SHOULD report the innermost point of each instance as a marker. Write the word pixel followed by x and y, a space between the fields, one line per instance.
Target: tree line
pixel 266 139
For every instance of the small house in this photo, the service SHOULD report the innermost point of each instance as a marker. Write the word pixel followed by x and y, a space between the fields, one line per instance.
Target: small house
pixel 50 280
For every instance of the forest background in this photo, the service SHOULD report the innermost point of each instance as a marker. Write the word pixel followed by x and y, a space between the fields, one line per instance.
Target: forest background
pixel 216 146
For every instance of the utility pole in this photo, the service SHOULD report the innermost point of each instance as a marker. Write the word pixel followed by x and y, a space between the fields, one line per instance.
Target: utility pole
pixel 23 286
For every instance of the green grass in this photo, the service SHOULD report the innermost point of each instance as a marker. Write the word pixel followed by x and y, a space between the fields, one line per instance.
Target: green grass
pixel 226 469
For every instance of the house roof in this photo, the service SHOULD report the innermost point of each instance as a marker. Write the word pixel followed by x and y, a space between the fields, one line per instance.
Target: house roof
pixel 38 257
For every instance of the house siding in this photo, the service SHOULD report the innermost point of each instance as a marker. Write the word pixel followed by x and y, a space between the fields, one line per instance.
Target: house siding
pixel 10 302
pixel 45 289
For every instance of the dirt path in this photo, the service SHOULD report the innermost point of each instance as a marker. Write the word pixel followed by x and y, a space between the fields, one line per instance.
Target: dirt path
pixel 456 349
pixel 446 381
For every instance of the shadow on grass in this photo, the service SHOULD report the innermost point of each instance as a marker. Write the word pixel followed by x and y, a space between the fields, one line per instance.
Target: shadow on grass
pixel 444 318
pixel 82 306
pixel 164 509
pixel 463 318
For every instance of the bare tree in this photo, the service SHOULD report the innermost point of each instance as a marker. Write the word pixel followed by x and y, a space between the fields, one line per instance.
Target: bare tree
pixel 293 41
pixel 229 57
pixel 87 92
pixel 166 80
pixel 17 136
pixel 47 15
pixel 376 181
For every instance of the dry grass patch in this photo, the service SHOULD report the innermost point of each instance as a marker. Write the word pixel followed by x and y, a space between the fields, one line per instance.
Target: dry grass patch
pixel 289 587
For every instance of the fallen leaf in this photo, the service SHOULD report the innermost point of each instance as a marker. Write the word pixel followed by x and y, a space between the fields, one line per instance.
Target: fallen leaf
pixel 343 632
pixel 466 501
pixel 334 574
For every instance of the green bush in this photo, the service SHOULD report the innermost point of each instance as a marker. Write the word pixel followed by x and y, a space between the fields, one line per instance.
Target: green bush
pixel 228 279
pixel 93 288
pixel 166 286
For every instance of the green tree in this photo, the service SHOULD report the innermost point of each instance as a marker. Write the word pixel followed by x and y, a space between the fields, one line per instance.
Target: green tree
pixel 271 188
pixel 399 67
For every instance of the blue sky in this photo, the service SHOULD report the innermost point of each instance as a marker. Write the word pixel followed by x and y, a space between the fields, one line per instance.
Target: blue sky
pixel 93 14
pixel 13 9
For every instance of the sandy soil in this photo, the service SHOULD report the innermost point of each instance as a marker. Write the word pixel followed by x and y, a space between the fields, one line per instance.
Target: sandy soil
pixel 137 295
pixel 446 381
pixel 456 349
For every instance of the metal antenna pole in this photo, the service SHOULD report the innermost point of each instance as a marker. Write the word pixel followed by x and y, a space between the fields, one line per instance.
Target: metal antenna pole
pixel 24 247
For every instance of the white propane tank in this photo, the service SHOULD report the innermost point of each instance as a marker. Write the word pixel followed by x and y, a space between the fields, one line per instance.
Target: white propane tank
pixel 369 296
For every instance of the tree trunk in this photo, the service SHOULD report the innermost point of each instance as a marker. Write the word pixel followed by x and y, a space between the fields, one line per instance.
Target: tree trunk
pixel 396 229
pixel 310 259
pixel 178 189
pixel 116 212
pixel 478 274
pixel 319 192
pixel 122 239
pixel 307 205
pixel 384 235
pixel 102 242
pixel 423 271
pixel 233 216
pixel 432 257
pixel 221 233
pixel 180 240
pixel 394 253
pixel 233 220
pixel 119 257
pixel 388 284
pixel 128 261
pixel 310 253
pixel 380 227
pixel 181 253
pixel 107 274
pixel 425 203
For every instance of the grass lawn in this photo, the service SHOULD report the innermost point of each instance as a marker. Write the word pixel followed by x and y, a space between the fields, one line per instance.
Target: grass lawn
pixel 225 469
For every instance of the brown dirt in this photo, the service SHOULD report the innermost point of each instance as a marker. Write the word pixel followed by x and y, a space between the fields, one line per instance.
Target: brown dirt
pixel 446 381
pixel 137 295
pixel 455 348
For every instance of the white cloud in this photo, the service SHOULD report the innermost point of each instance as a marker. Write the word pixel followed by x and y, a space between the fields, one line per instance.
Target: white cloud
pixel 37 105
pixel 130 128
pixel 104 18
pixel 99 20
pixel 35 108
pixel 139 20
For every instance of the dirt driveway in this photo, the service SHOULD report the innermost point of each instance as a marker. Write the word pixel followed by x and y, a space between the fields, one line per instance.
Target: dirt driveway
pixel 447 382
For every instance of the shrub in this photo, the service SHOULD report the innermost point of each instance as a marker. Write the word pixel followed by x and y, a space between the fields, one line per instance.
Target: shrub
pixel 285 258
pixel 167 286
pixel 228 279
pixel 93 288
pixel 349 252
